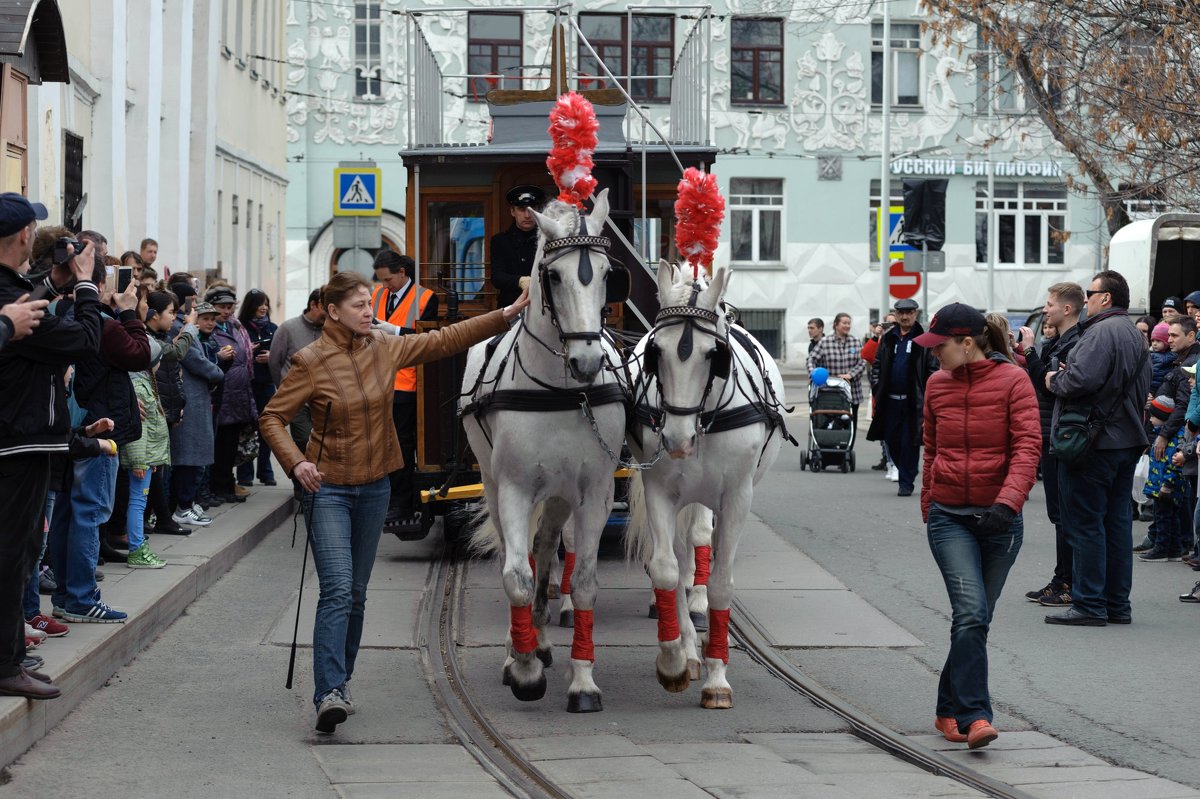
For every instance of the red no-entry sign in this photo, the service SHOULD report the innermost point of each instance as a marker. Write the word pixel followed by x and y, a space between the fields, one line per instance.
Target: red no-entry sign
pixel 903 285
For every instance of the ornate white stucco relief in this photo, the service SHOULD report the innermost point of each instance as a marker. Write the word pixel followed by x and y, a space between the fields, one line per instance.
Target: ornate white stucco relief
pixel 829 102
pixel 942 113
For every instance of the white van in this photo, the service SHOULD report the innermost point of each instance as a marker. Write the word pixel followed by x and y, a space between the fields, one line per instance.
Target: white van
pixel 1159 258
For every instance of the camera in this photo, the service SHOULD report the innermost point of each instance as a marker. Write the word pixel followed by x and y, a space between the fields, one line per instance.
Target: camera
pixel 61 256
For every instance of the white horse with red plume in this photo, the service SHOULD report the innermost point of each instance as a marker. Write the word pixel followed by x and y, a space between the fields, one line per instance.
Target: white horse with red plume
pixel 711 397
pixel 544 417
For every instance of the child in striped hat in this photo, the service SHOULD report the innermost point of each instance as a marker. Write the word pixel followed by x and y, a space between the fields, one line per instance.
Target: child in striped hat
pixel 1165 487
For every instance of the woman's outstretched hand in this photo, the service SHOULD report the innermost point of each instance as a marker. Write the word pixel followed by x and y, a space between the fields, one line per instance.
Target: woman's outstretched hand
pixel 519 304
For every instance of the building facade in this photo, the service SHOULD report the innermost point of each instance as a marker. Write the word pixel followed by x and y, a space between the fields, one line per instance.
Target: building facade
pixel 172 127
pixel 792 100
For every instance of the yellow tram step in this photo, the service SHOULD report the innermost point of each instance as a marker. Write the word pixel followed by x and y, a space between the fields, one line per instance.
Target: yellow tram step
pixel 475 490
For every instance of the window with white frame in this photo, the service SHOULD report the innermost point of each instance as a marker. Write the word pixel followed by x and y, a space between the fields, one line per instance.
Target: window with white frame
pixel 895 200
pixel 652 47
pixel 494 51
pixel 367 83
pixel 906 64
pixel 756 220
pixel 998 83
pixel 1031 223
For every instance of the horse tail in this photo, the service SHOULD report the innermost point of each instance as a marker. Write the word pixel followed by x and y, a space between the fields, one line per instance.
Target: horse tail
pixel 637 533
pixel 485 536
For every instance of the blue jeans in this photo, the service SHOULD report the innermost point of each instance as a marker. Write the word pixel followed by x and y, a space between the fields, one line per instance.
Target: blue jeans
pixel 74 544
pixel 33 599
pixel 344 523
pixel 135 516
pixel 974 568
pixel 1099 520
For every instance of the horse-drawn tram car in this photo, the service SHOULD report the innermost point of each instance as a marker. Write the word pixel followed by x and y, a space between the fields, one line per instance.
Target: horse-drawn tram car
pixel 457 192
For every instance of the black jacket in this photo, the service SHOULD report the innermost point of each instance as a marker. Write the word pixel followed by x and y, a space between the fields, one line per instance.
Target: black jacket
pixel 1053 355
pixel 169 379
pixel 513 252
pixel 102 385
pixel 264 332
pixel 33 396
pixel 1177 387
pixel 921 364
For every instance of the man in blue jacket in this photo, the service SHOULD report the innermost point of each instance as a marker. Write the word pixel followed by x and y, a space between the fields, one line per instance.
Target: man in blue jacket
pixel 1106 369
pixel 35 425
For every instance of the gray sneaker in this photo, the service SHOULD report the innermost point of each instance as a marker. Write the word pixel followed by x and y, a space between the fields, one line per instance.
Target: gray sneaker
pixel 331 711
pixel 350 708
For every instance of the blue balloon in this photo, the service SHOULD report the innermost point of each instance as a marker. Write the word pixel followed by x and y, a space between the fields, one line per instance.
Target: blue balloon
pixel 819 376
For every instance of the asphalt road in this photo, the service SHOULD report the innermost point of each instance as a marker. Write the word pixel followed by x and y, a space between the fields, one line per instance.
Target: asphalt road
pixel 1126 694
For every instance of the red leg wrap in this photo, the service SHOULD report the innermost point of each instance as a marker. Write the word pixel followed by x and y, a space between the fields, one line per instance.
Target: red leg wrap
pixel 568 569
pixel 581 644
pixel 524 639
pixel 703 564
pixel 668 616
pixel 718 635
pixel 533 565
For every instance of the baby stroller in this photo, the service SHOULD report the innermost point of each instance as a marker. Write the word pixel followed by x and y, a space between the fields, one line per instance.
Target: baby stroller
pixel 831 427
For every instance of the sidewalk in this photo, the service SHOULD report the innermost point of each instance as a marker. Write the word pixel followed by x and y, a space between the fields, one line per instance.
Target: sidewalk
pixel 90 654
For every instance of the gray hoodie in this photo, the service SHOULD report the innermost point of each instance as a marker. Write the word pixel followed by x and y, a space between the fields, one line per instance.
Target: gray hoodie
pixel 1100 368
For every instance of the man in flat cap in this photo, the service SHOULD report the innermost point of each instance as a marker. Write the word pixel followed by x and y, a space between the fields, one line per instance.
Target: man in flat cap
pixel 514 249
pixel 904 366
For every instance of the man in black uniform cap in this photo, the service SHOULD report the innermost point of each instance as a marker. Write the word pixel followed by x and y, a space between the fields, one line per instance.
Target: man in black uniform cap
pixel 514 249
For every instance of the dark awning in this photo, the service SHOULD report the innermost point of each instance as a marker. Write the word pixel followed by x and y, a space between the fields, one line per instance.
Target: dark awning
pixel 32 40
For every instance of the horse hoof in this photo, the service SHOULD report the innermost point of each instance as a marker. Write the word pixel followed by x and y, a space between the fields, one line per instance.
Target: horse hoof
pixel 699 621
pixel 584 703
pixel 716 698
pixel 694 669
pixel 566 618
pixel 506 677
pixel 546 656
pixel 531 692
pixel 674 684
pixel 653 612
pixel 552 591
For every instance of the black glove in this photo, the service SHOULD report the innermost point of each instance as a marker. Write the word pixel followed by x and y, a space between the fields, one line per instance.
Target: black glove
pixel 998 519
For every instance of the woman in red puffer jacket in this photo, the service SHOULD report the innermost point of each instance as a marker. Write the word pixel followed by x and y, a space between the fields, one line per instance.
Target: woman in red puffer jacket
pixel 983 440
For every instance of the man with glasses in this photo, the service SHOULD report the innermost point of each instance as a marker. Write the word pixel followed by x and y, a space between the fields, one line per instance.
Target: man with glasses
pixel 904 367
pixel 1108 371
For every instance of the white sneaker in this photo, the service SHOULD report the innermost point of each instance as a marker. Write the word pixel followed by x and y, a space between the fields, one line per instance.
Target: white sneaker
pixel 31 632
pixel 350 708
pixel 190 517
pixel 893 474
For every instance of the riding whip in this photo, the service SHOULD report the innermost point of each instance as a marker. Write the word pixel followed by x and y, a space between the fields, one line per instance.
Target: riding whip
pixel 308 495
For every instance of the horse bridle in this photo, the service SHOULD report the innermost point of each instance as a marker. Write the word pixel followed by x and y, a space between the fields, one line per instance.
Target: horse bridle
pixel 614 292
pixel 692 318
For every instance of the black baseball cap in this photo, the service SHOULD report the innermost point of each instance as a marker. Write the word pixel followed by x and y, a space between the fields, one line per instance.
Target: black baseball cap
pixel 525 196
pixel 956 319
pixel 16 212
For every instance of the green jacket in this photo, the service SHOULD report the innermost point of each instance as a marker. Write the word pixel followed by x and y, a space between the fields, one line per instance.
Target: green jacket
pixel 154 447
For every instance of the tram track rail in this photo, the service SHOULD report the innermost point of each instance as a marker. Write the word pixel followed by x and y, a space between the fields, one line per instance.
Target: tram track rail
pixel 442 617
pixel 752 637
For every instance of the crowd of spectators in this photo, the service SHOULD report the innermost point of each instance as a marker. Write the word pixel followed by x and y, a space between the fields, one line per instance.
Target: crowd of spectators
pixel 124 412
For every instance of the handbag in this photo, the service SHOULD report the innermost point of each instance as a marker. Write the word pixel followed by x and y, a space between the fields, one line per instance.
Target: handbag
pixel 1079 426
pixel 247 446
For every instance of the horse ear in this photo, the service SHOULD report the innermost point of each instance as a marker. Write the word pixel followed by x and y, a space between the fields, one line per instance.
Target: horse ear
pixel 716 289
pixel 666 280
pixel 549 227
pixel 599 213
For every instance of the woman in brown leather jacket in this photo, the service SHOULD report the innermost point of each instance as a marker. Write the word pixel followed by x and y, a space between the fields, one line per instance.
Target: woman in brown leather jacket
pixel 346 378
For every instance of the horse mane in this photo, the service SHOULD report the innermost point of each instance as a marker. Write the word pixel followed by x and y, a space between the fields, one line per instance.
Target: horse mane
pixel 563 214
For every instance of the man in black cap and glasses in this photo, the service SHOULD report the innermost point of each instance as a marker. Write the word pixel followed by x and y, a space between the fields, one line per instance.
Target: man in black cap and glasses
pixel 35 423
pixel 904 367
pixel 514 249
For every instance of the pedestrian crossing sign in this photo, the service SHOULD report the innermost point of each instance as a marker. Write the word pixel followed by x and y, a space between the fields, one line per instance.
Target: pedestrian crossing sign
pixel 356 192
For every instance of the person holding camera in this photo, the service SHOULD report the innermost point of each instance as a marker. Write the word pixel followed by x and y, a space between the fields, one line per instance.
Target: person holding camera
pixel 346 378
pixel 399 303
pixel 35 424
pixel 255 316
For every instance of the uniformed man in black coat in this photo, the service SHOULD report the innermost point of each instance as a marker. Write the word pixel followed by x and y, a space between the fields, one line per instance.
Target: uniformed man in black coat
pixel 514 249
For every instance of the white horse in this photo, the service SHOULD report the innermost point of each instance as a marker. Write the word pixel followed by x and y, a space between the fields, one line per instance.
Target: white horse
pixel 545 420
pixel 711 396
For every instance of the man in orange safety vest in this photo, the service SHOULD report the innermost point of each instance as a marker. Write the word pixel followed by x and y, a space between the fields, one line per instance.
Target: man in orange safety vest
pixel 400 302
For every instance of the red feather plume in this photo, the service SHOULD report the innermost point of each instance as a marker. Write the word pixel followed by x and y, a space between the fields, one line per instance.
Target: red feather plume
pixel 699 211
pixel 573 128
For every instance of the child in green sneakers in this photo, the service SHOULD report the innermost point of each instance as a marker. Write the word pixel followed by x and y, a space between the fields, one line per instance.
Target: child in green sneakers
pixel 141 458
